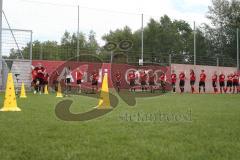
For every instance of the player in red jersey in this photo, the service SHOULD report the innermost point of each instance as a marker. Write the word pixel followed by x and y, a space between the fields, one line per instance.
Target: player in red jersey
pixel 214 82
pixel 79 76
pixel 202 81
pixel 163 81
pixel 143 80
pixel 34 74
pixel 131 79
pixel 118 80
pixel 94 78
pixel 235 82
pixel 151 81
pixel 46 80
pixel 34 78
pixel 192 80
pixel 229 82
pixel 182 81
pixel 40 70
pixel 174 80
pixel 56 80
pixel 222 82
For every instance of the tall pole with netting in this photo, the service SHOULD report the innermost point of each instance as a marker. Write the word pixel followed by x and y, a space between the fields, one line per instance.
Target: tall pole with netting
pixel 195 54
pixel 78 47
pixel 1 63
pixel 142 40
pixel 237 48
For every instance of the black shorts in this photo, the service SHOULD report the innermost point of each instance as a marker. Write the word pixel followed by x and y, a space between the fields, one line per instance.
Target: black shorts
pixel 68 80
pixel 229 83
pixel 151 83
pixel 41 81
pixel 94 82
pixel 143 83
pixel 222 84
pixel 182 83
pixel 235 84
pixel 118 83
pixel 132 83
pixel 79 81
pixel 214 84
pixel 192 82
pixel 173 84
pixel 55 82
pixel 201 84
pixel 162 83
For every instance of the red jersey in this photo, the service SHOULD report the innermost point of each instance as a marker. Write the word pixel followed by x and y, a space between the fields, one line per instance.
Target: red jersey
pixel 230 78
pixel 235 78
pixel 118 77
pixel 34 74
pixel 95 76
pixel 221 78
pixel 203 77
pixel 79 75
pixel 46 77
pixel 192 76
pixel 162 77
pixel 131 76
pixel 174 78
pixel 151 78
pixel 40 72
pixel 182 76
pixel 143 77
pixel 214 78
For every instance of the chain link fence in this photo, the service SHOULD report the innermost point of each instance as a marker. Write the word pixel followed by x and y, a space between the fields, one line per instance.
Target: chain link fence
pixel 66 53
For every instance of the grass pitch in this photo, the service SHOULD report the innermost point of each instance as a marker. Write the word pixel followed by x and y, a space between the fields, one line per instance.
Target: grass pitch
pixel 212 132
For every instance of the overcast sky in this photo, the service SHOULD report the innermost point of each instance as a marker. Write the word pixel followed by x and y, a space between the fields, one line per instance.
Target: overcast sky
pixel 50 18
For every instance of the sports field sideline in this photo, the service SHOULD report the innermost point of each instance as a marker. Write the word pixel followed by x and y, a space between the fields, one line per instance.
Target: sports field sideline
pixel 211 133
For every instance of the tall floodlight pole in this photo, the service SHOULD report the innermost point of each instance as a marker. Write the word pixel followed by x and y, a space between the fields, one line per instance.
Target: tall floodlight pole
pixel 142 40
pixel 1 63
pixel 78 48
pixel 237 48
pixel 194 43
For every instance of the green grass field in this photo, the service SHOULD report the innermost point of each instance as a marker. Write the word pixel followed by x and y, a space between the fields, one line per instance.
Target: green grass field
pixel 213 133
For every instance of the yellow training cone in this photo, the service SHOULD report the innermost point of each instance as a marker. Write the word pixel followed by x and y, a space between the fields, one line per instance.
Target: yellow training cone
pixel 46 89
pixel 59 91
pixel 104 101
pixel 23 92
pixel 10 102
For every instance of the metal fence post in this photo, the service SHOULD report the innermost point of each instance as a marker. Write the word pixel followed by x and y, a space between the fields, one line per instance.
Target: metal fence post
pixel 41 51
pixel 1 61
pixel 78 45
pixel 237 48
pixel 170 62
pixel 170 59
pixel 31 46
pixel 195 54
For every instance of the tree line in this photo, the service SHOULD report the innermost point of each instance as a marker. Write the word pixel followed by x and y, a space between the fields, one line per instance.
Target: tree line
pixel 161 38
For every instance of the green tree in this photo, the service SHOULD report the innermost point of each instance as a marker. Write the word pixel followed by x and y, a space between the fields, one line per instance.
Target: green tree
pixel 225 19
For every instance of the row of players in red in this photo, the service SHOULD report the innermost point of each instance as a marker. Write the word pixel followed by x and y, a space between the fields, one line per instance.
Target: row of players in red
pixel 232 81
pixel 41 77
